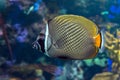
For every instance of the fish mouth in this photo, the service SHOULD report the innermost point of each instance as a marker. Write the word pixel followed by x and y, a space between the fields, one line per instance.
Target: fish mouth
pixel 39 45
pixel 36 45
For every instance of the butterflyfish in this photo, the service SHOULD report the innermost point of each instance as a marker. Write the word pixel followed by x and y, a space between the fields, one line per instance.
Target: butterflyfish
pixel 70 37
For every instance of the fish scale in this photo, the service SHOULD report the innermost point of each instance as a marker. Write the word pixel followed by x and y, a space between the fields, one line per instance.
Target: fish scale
pixel 74 42
pixel 72 39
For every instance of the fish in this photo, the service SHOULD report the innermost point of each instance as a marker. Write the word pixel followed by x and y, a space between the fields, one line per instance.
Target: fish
pixel 71 37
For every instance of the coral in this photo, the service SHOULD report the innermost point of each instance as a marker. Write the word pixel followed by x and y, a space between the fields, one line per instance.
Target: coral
pixel 106 76
pixel 113 45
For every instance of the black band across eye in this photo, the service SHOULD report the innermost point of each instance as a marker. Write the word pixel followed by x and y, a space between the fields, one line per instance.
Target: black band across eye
pixel 41 43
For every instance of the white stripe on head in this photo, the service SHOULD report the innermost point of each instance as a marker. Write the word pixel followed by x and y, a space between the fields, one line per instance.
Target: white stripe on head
pixel 46 39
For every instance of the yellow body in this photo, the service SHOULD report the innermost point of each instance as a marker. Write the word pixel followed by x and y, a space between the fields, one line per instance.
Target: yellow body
pixel 73 37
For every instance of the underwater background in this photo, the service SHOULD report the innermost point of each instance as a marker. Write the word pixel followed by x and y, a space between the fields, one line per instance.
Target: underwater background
pixel 21 21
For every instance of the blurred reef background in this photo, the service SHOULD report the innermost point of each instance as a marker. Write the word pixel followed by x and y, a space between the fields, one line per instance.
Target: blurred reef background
pixel 21 21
